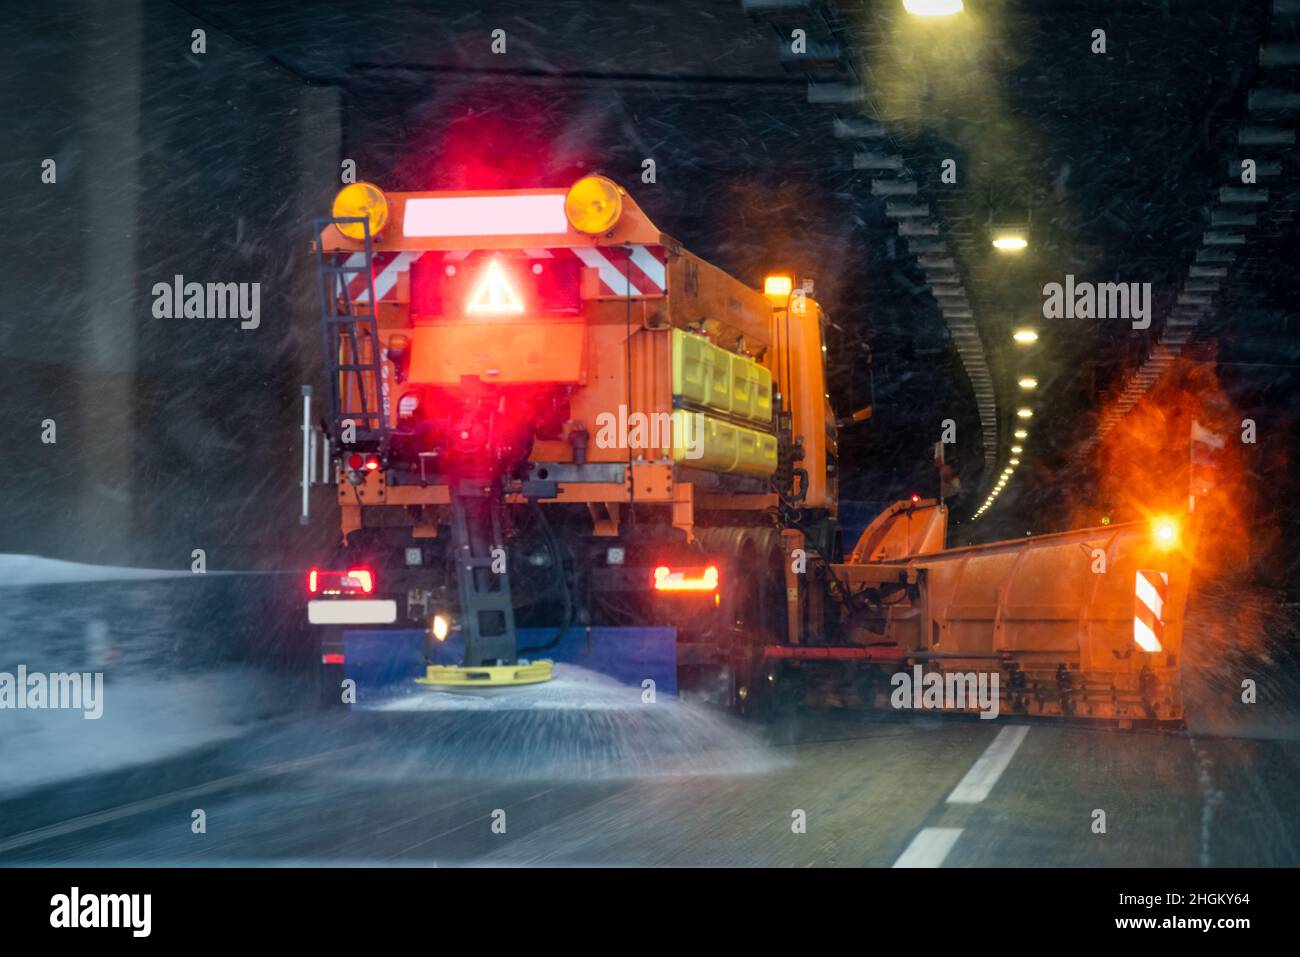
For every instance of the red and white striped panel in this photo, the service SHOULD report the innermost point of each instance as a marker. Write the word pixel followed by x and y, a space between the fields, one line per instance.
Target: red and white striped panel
pixel 1149 609
pixel 386 268
pixel 623 270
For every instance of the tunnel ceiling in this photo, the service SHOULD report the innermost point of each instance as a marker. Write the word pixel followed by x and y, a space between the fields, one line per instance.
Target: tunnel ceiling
pixel 1113 162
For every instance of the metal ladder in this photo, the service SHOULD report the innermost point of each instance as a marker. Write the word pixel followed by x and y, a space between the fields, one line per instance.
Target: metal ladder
pixel 342 325
pixel 487 609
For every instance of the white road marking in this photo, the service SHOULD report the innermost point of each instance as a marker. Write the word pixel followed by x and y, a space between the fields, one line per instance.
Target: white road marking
pixel 984 773
pixel 930 846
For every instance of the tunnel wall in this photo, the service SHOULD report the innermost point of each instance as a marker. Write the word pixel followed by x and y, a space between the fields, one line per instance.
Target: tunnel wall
pixel 171 434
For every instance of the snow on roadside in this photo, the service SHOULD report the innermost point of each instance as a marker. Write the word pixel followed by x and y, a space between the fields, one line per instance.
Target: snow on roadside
pixel 144 720
pixel 26 570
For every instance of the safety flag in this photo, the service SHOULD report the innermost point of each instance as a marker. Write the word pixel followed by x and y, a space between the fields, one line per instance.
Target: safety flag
pixel 1206 449
pixel 949 483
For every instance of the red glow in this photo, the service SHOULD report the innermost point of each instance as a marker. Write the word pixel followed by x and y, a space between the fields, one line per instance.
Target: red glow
pixel 693 579
pixel 372 463
pixel 916 499
pixel 479 140
pixel 313 583
pixel 331 659
pixel 356 461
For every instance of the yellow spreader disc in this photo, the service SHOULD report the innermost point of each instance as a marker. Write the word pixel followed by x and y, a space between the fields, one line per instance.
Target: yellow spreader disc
pixel 486 676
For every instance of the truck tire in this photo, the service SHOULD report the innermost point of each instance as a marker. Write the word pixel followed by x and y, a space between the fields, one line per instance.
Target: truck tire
pixel 757 607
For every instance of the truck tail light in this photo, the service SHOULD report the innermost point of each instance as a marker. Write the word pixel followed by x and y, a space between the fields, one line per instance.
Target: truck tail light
pixel 356 462
pixel 354 581
pixel 408 405
pixel 685 579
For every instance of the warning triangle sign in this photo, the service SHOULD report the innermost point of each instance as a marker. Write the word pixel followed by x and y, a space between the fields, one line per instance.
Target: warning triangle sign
pixel 493 295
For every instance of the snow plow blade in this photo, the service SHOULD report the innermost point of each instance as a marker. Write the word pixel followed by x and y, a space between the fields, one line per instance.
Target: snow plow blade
pixel 448 677
pixel 1082 624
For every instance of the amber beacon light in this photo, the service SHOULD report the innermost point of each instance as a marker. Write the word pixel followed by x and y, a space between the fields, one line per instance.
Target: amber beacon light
pixel 363 201
pixel 593 205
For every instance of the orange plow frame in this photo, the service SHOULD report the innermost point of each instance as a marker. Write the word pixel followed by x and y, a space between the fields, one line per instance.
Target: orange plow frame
pixel 1058 617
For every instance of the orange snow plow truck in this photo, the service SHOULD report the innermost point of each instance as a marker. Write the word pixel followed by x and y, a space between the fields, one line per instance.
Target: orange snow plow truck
pixel 556 435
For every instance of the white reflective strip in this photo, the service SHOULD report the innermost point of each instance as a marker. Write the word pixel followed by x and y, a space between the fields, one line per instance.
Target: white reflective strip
pixel 387 279
pixel 609 273
pixel 930 846
pixel 1142 634
pixel 348 612
pixel 512 215
pixel 345 280
pixel 984 773
pixel 645 260
pixel 1147 594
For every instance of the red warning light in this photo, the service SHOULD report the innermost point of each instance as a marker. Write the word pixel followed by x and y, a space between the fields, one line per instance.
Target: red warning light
pixel 916 499
pixel 351 582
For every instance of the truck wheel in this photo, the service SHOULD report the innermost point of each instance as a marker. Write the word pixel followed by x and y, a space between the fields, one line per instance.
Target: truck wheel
pixel 755 605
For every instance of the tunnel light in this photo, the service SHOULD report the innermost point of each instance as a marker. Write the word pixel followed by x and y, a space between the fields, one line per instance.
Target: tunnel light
pixel 1028 382
pixel 1020 434
pixel 1025 336
pixel 1025 413
pixel 932 8
pixel 1015 461
pixel 1016 449
pixel 1010 243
